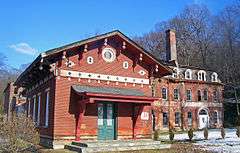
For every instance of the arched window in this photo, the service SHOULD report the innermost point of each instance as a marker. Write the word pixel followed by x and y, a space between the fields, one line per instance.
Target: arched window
pixel 175 73
pixel 202 75
pixel 214 77
pixel 188 74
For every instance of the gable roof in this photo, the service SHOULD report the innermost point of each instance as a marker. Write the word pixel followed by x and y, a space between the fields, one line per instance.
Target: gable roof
pixel 51 52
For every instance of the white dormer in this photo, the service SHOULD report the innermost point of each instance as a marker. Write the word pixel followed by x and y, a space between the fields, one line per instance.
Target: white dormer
pixel 214 77
pixel 188 74
pixel 175 73
pixel 202 75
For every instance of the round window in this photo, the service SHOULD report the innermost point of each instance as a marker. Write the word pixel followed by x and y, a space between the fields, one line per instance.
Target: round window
pixel 108 54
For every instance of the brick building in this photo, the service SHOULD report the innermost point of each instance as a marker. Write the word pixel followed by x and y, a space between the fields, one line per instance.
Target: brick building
pixel 13 101
pixel 107 87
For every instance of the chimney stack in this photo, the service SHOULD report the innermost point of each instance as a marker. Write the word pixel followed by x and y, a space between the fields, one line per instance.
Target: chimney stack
pixel 171 50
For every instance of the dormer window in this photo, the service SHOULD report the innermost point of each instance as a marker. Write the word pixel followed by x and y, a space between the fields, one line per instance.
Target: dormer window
pixel 214 77
pixel 201 75
pixel 175 73
pixel 188 74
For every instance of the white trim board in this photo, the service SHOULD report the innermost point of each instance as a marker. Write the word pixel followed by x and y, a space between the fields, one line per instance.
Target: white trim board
pixel 104 77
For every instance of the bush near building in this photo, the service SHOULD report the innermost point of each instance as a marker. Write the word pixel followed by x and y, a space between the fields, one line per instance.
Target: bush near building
pixel 18 135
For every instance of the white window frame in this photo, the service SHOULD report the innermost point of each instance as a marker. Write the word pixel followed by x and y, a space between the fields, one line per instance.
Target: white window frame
pixel 216 77
pixel 176 89
pixel 200 74
pixel 190 95
pixel 125 65
pixel 34 108
pixel 39 109
pixel 111 51
pixel 177 116
pixel 166 93
pixel 47 92
pixel 190 74
pixel 204 94
pixel 190 119
pixel 175 73
pixel 29 107
pixel 90 60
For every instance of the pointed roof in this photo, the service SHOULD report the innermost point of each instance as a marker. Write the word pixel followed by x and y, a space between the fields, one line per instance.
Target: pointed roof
pixel 54 51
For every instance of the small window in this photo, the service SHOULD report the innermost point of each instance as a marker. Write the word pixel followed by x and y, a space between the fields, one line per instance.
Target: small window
pixel 215 117
pixel 189 95
pixel 202 75
pixel 214 77
pixel 125 65
pixel 176 94
pixel 175 73
pixel 90 60
pixel 164 93
pixel 189 116
pixel 199 95
pixel 165 119
pixel 205 94
pixel 188 74
pixel 177 119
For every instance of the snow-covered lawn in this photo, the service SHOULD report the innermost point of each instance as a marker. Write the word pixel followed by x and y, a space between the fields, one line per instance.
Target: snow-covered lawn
pixel 231 143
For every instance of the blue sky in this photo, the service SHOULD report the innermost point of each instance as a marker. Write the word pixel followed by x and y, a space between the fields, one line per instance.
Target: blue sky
pixel 29 27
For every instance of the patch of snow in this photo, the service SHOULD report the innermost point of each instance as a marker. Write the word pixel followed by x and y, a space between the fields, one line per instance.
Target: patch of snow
pixel 215 143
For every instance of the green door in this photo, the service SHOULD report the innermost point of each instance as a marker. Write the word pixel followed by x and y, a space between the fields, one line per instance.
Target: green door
pixel 106 121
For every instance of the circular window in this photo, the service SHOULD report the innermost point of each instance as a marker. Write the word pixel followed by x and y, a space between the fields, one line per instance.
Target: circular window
pixel 125 65
pixel 108 54
pixel 90 60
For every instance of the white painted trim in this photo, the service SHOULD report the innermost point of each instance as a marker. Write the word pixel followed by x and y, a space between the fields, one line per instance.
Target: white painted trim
pixel 104 77
pixel 111 51
pixel 90 60
pixel 39 109
pixel 34 108
pixel 202 104
pixel 29 106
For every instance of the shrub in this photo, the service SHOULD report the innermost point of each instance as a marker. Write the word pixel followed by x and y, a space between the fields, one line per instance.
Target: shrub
pixel 223 132
pixel 156 135
pixel 190 134
pixel 19 134
pixel 238 131
pixel 171 134
pixel 205 133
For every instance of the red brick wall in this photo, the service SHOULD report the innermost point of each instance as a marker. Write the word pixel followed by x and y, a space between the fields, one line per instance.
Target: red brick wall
pixel 172 106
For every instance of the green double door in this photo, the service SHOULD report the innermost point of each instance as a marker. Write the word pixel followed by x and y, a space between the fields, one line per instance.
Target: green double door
pixel 106 121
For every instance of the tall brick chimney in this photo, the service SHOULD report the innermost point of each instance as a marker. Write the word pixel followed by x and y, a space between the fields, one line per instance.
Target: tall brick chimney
pixel 171 50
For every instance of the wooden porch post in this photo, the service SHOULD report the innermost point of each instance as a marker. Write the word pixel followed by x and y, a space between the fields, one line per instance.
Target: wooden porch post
pixel 79 117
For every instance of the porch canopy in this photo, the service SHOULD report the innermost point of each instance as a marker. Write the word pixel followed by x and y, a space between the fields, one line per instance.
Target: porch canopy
pixel 92 94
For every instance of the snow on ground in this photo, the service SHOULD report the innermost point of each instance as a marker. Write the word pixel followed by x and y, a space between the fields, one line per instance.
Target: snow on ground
pixel 231 143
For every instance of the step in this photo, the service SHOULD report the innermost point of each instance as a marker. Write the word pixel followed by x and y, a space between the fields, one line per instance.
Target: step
pixel 110 148
pixel 115 143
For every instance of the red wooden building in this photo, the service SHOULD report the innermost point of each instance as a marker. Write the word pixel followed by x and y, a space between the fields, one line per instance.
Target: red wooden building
pixel 107 88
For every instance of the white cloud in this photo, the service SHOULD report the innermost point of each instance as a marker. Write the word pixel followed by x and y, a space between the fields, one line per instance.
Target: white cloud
pixel 24 48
